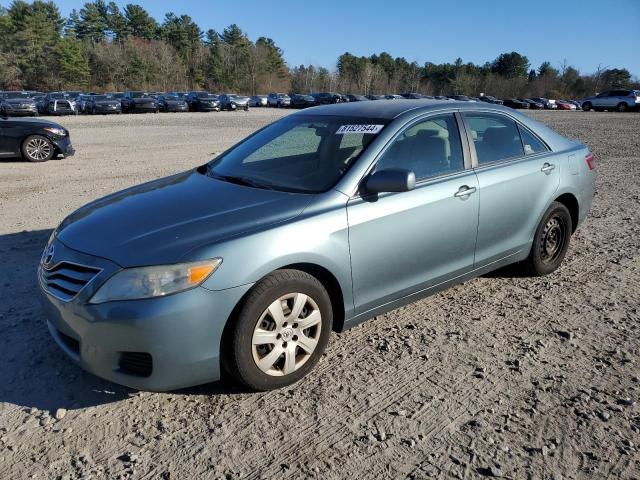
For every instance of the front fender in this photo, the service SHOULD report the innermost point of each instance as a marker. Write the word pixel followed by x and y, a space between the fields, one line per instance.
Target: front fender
pixel 319 236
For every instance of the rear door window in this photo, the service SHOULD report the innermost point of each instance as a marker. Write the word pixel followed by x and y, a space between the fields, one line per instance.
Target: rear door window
pixel 530 142
pixel 496 137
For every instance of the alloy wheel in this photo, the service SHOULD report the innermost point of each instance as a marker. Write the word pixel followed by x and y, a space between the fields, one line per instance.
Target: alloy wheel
pixel 38 149
pixel 286 334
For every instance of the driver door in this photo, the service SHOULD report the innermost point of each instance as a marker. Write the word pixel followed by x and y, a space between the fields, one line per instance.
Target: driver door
pixel 408 242
pixel 9 141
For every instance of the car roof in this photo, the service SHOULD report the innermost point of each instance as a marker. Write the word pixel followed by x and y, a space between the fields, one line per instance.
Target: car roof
pixel 390 110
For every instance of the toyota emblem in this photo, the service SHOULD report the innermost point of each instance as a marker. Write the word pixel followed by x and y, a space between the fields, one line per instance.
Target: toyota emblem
pixel 47 257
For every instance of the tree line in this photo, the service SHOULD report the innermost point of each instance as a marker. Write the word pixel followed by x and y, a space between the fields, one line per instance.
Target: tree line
pixel 102 47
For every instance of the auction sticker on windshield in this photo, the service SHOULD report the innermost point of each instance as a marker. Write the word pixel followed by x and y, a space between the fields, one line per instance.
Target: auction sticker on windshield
pixel 372 129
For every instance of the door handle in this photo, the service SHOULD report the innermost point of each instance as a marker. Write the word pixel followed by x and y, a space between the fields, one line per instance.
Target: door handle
pixel 464 191
pixel 547 167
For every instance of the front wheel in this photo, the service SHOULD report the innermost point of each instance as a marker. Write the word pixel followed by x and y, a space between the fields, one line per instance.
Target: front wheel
pixel 551 241
pixel 37 148
pixel 281 331
pixel 586 106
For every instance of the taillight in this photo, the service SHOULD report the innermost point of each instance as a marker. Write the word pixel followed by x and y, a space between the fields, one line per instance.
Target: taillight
pixel 590 161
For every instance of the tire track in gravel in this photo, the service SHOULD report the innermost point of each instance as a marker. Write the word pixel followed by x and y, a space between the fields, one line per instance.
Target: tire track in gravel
pixel 357 383
pixel 335 434
pixel 437 421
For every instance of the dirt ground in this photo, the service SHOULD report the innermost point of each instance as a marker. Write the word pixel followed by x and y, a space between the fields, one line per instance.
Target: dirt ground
pixel 501 377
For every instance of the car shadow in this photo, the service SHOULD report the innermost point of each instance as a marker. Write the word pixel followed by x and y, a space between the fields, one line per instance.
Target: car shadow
pixel 510 271
pixel 35 372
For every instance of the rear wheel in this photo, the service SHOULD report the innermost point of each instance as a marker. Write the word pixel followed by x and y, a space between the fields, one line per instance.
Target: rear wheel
pixel 551 241
pixel 622 107
pixel 281 331
pixel 37 148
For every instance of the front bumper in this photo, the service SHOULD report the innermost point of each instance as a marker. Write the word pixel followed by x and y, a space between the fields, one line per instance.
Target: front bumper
pixel 21 112
pixel 177 108
pixel 64 147
pixel 181 333
pixel 107 109
pixel 144 107
pixel 208 108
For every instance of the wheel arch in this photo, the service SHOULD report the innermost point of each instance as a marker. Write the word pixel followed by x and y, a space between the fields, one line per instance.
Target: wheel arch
pixel 331 284
pixel 571 202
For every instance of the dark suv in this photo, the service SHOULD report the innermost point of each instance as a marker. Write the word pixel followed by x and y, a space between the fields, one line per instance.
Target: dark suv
pixel 203 102
pixel 102 104
pixel 139 102
pixel 325 98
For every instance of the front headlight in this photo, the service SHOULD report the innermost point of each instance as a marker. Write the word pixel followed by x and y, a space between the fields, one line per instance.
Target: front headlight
pixel 156 281
pixel 56 131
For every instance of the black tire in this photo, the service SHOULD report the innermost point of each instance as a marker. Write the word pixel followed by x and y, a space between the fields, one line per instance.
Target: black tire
pixel 586 106
pixel 239 357
pixel 622 107
pixel 550 243
pixel 44 155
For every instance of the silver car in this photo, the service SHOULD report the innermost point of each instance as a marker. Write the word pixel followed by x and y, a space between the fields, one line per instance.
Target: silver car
pixel 315 223
pixel 619 100
pixel 279 100
pixel 258 101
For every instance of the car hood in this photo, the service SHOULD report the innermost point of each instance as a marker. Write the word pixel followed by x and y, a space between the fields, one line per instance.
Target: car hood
pixel 107 102
pixel 19 101
pixel 161 221
pixel 144 100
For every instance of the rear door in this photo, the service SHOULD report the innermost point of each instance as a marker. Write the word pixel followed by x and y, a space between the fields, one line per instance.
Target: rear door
pixel 406 242
pixel 517 175
pixel 602 100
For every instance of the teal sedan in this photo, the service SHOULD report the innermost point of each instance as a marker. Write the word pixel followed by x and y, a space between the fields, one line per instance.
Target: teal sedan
pixel 313 224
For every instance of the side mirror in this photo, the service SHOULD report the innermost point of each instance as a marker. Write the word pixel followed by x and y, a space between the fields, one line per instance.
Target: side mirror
pixel 391 180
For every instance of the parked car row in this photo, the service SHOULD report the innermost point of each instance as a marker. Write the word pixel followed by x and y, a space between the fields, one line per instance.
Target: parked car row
pixel 25 103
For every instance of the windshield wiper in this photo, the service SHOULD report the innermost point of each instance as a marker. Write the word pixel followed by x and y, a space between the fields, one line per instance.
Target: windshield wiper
pixel 248 182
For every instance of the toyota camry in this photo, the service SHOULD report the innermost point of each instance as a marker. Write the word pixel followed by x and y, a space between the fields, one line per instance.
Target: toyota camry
pixel 315 223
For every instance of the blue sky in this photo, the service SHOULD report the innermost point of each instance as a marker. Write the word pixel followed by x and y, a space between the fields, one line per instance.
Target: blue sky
pixel 586 33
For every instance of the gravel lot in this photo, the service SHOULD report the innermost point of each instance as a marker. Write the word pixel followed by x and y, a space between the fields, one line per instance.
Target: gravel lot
pixel 501 376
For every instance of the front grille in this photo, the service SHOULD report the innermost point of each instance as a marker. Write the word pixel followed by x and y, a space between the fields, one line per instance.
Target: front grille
pixel 136 363
pixel 65 280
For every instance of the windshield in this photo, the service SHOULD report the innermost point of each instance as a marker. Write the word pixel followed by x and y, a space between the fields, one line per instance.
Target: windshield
pixel 56 96
pixel 101 97
pixel 301 153
pixel 139 94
